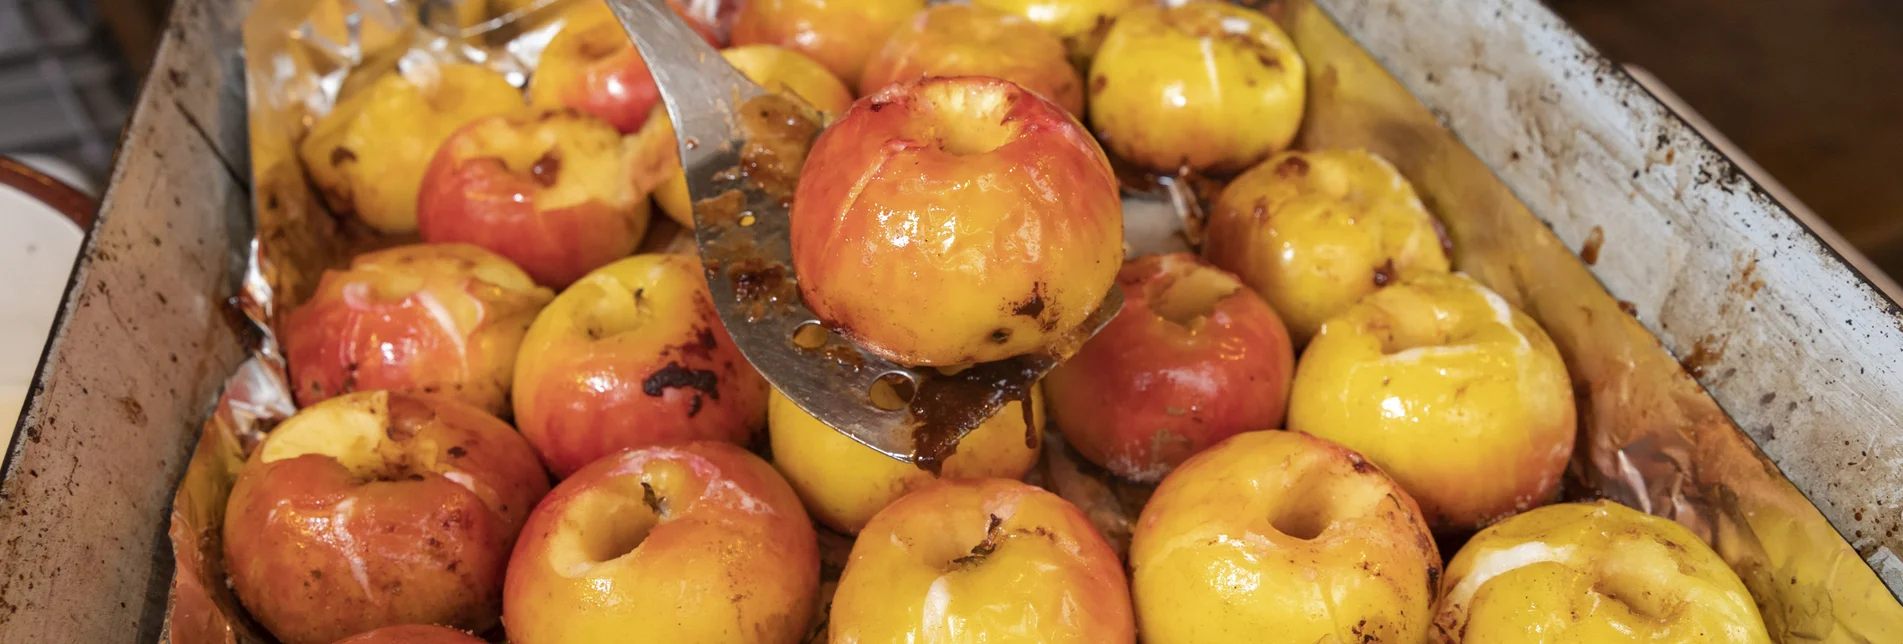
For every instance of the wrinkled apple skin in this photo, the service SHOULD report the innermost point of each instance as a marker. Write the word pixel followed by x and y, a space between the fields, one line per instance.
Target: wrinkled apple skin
pixel 1207 86
pixel 653 153
pixel 969 40
pixel 368 155
pixel 1281 532
pixel 1592 573
pixel 413 634
pixel 375 509
pixel 1082 24
pixel 1458 396
pixel 956 220
pixel 1314 232
pixel 840 35
pixel 630 356
pixel 591 66
pixel 427 318
pixel 844 483
pixel 546 189
pixel 701 542
pixel 981 560
pixel 1152 388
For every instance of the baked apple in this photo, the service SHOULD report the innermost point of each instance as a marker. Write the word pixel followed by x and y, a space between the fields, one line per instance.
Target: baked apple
pixel 956 220
pixel 1459 397
pixel 840 35
pixel 427 318
pixel 1314 232
pixel 630 356
pixel 547 189
pixel 844 483
pixel 1082 24
pixel 1592 572
pixel 981 560
pixel 699 542
pixel 1284 533
pixel 376 509
pixel 368 155
pixel 1206 86
pixel 591 66
pixel 413 634
pixel 701 15
pixel 656 160
pixel 1194 358
pixel 969 40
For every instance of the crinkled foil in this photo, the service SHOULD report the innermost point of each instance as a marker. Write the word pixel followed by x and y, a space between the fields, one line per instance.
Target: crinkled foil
pixel 1650 436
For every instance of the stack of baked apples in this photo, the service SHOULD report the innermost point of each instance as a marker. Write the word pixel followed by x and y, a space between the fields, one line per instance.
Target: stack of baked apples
pixel 958 210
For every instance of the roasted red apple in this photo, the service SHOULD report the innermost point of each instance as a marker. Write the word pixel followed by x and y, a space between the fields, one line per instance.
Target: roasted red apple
pixel 546 189
pixel 367 156
pixel 376 509
pixel 1082 24
pixel 427 318
pixel 1194 358
pixel 981 560
pixel 1207 86
pixel 1284 533
pixel 591 66
pixel 630 356
pixel 413 634
pixel 956 220
pixel 840 35
pixel 969 40
pixel 692 543
pixel 1457 395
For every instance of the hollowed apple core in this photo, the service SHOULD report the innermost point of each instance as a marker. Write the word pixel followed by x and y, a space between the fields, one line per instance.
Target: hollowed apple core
pixel 611 309
pixel 962 119
pixel 1411 322
pixel 1191 296
pixel 359 437
pixel 1319 498
pixel 603 525
pixel 1633 573
pixel 1234 31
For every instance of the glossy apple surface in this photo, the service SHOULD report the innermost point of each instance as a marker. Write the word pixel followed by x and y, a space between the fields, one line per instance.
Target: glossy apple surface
pixel 701 542
pixel 956 220
pixel 981 560
pixel 591 66
pixel 970 40
pixel 376 509
pixel 1590 573
pixel 1082 24
pixel 630 356
pixel 1194 358
pixel 412 634
pixel 844 483
pixel 427 318
pixel 1458 396
pixel 1207 86
pixel 1281 532
pixel 840 35
pixel 1313 232
pixel 368 155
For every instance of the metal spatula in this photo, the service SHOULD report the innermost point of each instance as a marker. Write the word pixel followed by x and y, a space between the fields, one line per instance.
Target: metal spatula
pixel 742 228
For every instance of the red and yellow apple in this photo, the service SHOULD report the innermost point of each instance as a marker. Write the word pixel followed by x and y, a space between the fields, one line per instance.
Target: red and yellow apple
pixel 413 634
pixel 981 560
pixel 1206 86
pixel 547 189
pixel 840 35
pixel 630 356
pixel 1194 358
pixel 1454 393
pixel 1592 572
pixel 1082 24
pixel 844 483
pixel 1281 532
pixel 700 542
pixel 427 318
pixel 956 220
pixel 1314 232
pixel 969 40
pixel 368 155
pixel 376 509
pixel 591 66
pixel 654 157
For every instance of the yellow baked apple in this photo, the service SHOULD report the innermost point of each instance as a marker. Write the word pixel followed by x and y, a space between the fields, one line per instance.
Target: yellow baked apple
pixel 1284 533
pixel 969 40
pixel 1207 85
pixel 1313 232
pixel 368 155
pixel 1588 573
pixel 1080 23
pixel 840 35
pixel 844 483
pixel 1459 397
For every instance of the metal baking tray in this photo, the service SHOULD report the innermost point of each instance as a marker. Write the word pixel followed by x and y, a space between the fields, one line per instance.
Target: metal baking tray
pixel 1735 369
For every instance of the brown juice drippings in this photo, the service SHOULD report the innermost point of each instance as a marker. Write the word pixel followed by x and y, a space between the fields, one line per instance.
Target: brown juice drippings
pixel 947 407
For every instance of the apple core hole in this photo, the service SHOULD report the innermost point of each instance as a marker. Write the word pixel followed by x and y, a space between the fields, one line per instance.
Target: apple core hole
pixel 1192 295
pixel 621 526
pixel 892 391
pixel 1320 497
pixel 1630 577
pixel 967 118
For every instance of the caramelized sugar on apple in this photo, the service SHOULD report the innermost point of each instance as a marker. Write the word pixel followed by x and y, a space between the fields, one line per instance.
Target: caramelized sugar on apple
pixel 970 40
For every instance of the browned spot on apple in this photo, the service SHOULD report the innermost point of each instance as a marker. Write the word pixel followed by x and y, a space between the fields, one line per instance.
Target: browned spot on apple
pixel 1292 168
pixel 546 170
pixel 1384 273
pixel 1097 83
pixel 341 154
pixel 675 376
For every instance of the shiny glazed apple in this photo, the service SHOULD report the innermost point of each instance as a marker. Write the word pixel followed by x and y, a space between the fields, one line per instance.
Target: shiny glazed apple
pixel 970 40
pixel 839 34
